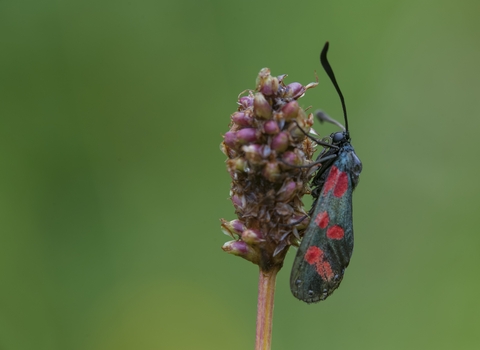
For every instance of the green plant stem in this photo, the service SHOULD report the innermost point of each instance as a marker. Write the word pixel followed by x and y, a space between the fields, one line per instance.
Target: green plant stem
pixel 266 294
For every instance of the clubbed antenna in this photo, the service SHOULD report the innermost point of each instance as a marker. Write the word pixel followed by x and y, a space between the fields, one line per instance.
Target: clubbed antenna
pixel 331 75
pixel 323 117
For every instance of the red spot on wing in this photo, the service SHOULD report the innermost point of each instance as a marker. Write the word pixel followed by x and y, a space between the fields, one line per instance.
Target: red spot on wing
pixel 331 179
pixel 342 185
pixel 324 270
pixel 322 219
pixel 335 232
pixel 315 256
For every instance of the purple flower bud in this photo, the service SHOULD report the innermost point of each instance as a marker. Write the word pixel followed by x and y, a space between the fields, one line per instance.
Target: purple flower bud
pixel 290 110
pixel 237 226
pixel 230 139
pixel 271 127
pixel 280 142
pixel 266 84
pixel 236 247
pixel 231 228
pixel 270 86
pixel 247 135
pixel 287 191
pixel 266 88
pixel 291 158
pixel 262 107
pixel 252 236
pixel 245 101
pixel 242 119
pixel 238 202
pixel 272 172
pixel 241 249
pixel 295 90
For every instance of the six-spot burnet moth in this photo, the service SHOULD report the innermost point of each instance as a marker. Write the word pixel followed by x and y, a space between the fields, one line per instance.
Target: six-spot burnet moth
pixel 327 245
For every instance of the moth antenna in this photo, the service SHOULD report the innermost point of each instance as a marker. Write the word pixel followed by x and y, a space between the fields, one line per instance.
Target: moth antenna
pixel 331 75
pixel 324 117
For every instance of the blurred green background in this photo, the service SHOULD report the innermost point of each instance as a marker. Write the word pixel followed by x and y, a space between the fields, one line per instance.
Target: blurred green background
pixel 112 181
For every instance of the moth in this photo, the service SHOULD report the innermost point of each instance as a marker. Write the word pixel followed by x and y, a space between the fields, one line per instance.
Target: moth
pixel 327 244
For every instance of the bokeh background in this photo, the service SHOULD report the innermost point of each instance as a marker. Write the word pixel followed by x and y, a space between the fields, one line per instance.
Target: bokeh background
pixel 112 182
